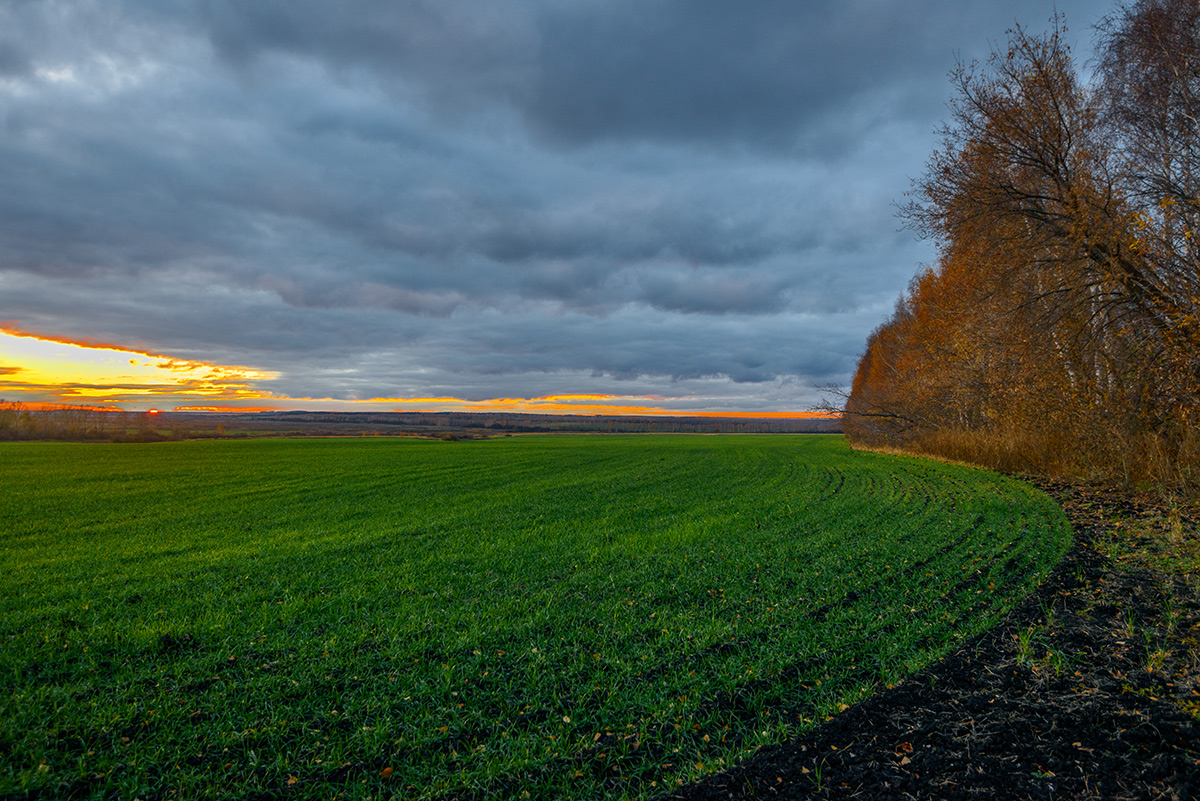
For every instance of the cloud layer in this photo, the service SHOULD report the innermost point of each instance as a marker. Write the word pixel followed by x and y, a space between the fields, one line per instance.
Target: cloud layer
pixel 690 199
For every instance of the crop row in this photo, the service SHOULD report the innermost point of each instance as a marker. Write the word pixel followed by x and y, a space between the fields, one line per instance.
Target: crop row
pixel 575 617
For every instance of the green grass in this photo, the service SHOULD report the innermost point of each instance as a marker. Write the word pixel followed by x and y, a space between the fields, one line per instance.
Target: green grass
pixel 568 617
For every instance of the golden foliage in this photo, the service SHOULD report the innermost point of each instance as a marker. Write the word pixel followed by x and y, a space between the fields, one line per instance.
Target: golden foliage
pixel 1060 330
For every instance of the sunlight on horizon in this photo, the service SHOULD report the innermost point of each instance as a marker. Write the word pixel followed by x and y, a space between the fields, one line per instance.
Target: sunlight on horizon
pixel 46 369
pixel 41 371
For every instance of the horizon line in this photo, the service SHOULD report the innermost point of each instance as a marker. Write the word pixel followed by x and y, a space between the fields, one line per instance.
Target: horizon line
pixel 647 412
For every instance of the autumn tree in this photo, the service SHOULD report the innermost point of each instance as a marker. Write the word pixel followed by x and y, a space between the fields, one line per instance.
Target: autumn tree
pixel 1150 101
pixel 1062 314
pixel 1016 197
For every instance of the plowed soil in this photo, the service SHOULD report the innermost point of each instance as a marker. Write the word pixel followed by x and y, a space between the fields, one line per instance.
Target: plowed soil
pixel 1089 689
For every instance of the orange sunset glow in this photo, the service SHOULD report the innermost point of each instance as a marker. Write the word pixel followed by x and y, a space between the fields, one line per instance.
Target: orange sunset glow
pixel 608 404
pixel 44 372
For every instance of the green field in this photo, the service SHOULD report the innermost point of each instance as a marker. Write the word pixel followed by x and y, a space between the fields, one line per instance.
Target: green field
pixel 568 617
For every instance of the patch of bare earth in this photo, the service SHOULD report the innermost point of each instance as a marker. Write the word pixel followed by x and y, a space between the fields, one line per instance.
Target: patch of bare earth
pixel 1089 689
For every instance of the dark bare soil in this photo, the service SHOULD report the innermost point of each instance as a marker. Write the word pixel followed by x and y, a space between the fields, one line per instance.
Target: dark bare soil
pixel 1089 689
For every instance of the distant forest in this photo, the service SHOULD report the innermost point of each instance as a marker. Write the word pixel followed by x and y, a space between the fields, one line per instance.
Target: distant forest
pixel 83 423
pixel 1059 331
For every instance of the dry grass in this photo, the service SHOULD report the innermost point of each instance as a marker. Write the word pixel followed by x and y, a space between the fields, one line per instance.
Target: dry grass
pixel 1168 467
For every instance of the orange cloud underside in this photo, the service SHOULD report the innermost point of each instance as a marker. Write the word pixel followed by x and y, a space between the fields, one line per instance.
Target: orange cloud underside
pixel 56 370
pixel 41 406
pixel 46 371
pixel 229 409
pixel 610 404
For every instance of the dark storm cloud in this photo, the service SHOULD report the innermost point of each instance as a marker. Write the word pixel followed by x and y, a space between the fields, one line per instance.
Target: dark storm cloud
pixel 676 70
pixel 444 43
pixel 481 198
pixel 708 70
pixel 769 73
pixel 687 229
pixel 13 59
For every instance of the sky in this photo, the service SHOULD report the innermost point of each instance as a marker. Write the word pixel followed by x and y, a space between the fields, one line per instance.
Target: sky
pixel 683 206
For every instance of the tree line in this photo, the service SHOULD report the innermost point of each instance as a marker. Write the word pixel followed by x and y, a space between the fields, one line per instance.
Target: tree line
pixel 67 422
pixel 1059 330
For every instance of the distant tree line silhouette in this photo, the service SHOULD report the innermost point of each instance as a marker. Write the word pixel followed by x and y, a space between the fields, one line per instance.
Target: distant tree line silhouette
pixel 67 422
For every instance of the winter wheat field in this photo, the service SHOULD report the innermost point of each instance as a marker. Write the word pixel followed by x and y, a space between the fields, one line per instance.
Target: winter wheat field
pixel 566 617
